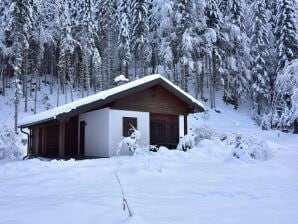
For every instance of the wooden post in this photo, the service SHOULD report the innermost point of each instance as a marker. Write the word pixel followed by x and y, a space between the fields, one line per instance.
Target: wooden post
pixel 185 124
pixel 62 138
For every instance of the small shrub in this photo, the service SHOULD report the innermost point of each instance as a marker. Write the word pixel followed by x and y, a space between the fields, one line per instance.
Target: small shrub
pixel 195 136
pixel 203 132
pixel 246 145
pixel 206 114
pixel 12 145
pixel 130 142
pixel 186 142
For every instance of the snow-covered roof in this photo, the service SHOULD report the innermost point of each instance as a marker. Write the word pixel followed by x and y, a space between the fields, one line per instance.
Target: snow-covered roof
pixel 102 96
pixel 121 78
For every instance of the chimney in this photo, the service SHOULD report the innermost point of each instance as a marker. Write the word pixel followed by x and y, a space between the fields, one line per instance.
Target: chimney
pixel 121 79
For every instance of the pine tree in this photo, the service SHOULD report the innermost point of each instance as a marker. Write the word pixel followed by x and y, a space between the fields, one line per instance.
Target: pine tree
pixel 18 34
pixel 87 38
pixel 285 103
pixel 5 52
pixel 286 33
pixel 163 16
pixel 124 35
pixel 67 48
pixel 186 39
pixel 108 39
pixel 139 33
pixel 214 24
pixel 259 41
pixel 236 74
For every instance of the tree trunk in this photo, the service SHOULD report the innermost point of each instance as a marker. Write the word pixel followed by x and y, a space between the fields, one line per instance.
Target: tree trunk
pixel 210 81
pixel 25 81
pixel 35 97
pixel 202 79
pixel 213 77
pixel 236 95
pixel 2 75
pixel 197 84
pixel 186 77
pixel 58 88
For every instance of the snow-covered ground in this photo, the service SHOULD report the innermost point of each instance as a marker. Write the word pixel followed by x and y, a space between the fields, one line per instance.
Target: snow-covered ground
pixel 204 185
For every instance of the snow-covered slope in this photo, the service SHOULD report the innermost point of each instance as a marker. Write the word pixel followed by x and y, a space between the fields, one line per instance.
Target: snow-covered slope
pixel 204 185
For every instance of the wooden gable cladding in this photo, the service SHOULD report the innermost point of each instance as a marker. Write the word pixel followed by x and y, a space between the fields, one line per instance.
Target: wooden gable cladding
pixel 155 99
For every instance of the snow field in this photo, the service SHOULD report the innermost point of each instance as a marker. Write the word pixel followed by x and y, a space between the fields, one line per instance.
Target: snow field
pixel 203 185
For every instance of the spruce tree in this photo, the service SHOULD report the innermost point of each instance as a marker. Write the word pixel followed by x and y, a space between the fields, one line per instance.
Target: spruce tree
pixel 286 33
pixel 259 44
pixel 124 37
pixel 18 35
pixel 214 25
pixel 185 39
pixel 108 39
pixel 140 30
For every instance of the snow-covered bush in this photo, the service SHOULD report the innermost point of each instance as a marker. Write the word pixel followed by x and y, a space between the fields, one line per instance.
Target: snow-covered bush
pixel 12 145
pixel 131 143
pixel 246 145
pixel 186 142
pixel 206 114
pixel 203 132
pixel 195 136
pixel 264 121
pixel 285 100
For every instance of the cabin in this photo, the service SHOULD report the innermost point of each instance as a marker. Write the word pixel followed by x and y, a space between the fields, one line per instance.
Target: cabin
pixel 93 126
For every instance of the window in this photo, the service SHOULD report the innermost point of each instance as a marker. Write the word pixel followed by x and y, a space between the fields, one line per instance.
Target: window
pixel 128 124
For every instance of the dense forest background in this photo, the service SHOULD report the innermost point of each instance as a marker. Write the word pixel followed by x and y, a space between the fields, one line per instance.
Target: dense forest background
pixel 247 49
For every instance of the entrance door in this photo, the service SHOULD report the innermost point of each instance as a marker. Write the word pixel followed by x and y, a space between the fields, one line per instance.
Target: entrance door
pixel 71 136
pixel 82 137
pixel 164 130
pixel 39 141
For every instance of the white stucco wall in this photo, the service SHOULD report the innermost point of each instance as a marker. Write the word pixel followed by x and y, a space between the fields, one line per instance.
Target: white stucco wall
pixel 96 132
pixel 116 124
pixel 103 131
pixel 181 126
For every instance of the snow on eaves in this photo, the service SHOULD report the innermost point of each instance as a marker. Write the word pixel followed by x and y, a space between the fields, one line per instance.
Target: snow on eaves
pixel 53 113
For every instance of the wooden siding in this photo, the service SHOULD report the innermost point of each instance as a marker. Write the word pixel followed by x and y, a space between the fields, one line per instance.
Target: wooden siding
pixel 155 100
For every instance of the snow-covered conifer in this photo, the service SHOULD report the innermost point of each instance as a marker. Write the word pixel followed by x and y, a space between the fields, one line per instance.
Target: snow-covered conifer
pixel 259 47
pixel 140 30
pixel 286 32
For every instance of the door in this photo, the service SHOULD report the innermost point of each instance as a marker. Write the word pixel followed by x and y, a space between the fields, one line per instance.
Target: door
pixel 39 142
pixel 157 131
pixel 82 137
pixel 52 140
pixel 72 136
pixel 164 130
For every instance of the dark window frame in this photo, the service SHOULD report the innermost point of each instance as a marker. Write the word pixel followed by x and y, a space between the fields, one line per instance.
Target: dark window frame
pixel 126 125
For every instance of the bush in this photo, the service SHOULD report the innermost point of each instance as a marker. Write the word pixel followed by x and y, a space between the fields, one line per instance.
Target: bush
pixel 12 145
pixel 186 142
pixel 194 137
pixel 130 143
pixel 246 145
pixel 203 132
